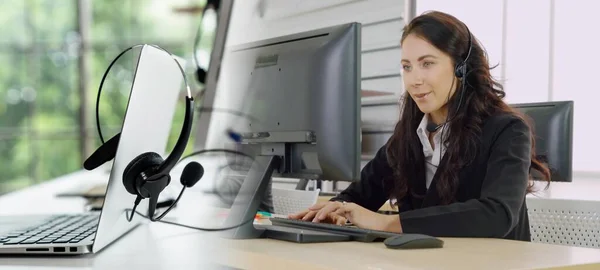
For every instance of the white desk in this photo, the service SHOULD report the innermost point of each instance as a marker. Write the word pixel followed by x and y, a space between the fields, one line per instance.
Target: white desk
pixel 160 246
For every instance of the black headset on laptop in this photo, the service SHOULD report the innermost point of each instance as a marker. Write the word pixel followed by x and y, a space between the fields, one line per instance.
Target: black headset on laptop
pixel 147 175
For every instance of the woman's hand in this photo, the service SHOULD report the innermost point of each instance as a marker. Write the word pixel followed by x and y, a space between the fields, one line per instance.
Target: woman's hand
pixel 311 213
pixel 336 212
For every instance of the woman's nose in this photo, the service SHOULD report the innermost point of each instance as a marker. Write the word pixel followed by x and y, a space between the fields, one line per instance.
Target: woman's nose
pixel 417 78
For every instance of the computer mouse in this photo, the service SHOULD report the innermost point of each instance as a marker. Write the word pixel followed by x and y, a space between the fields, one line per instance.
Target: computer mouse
pixel 413 241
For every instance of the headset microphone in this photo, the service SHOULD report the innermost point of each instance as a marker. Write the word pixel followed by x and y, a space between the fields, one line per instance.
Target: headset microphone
pixel 103 154
pixel 192 172
pixel 432 127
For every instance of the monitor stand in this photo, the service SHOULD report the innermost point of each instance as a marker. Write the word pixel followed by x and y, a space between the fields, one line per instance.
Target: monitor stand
pixel 246 203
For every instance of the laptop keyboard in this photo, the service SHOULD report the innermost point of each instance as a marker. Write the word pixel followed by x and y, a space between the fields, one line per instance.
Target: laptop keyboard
pixel 57 229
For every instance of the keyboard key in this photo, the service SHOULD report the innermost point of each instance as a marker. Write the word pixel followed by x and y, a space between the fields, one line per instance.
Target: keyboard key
pixel 30 241
pixel 14 241
pixel 62 240
pixel 45 241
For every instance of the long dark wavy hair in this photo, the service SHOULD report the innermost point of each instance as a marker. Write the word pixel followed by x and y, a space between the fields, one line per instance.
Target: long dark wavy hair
pixel 482 97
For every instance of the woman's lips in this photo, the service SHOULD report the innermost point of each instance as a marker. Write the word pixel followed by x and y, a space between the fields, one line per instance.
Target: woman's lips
pixel 422 96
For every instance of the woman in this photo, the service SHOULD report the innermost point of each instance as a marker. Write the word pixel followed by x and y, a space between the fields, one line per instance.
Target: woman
pixel 479 188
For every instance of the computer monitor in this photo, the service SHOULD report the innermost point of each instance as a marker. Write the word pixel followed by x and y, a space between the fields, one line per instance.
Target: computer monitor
pixel 302 95
pixel 553 129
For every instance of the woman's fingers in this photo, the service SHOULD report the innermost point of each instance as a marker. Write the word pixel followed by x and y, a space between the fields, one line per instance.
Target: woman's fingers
pixel 324 212
pixel 298 215
pixel 331 212
pixel 309 216
pixel 345 212
pixel 318 206
pixel 303 213
pixel 337 219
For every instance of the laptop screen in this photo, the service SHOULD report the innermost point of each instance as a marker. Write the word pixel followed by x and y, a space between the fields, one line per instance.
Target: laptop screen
pixel 148 120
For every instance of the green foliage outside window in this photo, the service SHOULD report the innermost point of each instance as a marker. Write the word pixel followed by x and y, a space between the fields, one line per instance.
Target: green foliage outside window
pixel 40 73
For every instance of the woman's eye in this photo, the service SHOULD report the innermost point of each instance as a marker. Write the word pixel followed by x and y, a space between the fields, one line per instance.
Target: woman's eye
pixel 426 64
pixel 406 68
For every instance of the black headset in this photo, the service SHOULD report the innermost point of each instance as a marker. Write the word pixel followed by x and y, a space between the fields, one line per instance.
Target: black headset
pixel 461 68
pixel 147 175
pixel 460 71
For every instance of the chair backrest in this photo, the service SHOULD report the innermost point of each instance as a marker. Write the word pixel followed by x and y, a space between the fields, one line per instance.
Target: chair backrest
pixel 564 222
pixel 289 201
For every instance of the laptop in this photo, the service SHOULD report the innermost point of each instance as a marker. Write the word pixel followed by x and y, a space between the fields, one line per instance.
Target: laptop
pixel 146 127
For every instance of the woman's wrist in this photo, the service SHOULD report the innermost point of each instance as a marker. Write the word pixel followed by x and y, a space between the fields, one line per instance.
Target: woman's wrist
pixel 391 224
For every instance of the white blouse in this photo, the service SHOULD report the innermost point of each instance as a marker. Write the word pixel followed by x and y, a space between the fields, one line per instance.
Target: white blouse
pixel 432 153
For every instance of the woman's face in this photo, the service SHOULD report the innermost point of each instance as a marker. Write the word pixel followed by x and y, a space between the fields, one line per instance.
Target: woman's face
pixel 427 73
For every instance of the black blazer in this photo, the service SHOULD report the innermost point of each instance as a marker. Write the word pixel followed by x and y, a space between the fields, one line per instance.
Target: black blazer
pixel 490 200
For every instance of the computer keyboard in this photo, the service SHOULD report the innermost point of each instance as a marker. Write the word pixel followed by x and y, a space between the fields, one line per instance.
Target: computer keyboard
pixel 57 229
pixel 356 234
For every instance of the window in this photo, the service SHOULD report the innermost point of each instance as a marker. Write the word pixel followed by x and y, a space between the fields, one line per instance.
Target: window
pixel 53 55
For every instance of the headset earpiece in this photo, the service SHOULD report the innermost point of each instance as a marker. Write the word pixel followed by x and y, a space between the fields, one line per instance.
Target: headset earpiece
pixel 147 175
pixel 138 169
pixel 460 69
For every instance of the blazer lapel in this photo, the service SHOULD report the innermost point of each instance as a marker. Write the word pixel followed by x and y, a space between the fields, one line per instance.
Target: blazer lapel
pixel 418 189
pixel 432 197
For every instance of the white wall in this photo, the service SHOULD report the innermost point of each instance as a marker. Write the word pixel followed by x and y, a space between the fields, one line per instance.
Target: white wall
pixel 382 25
pixel 575 70
pixel 486 24
pixel 546 50
pixel 527 51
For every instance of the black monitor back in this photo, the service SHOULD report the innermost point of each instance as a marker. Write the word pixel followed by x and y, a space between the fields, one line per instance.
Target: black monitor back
pixel 303 93
pixel 552 124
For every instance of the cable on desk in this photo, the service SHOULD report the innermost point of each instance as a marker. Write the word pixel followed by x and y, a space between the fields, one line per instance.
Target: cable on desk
pixel 192 227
